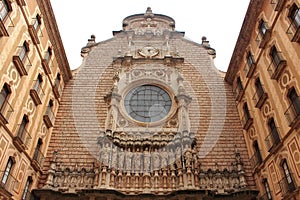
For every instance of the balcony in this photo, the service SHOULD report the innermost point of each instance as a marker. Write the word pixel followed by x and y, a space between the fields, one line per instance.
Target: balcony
pixel 249 69
pixel 37 160
pixel 256 159
pixel 238 92
pixel 7 185
pixel 3 31
pixel 278 4
pixel 287 185
pixel 272 140
pixel 292 114
pixel 247 121
pixel 263 39
pixel 37 93
pixel 7 22
pixel 276 67
pixel 260 98
pixel 266 196
pixel 57 90
pixel 23 139
pixel 46 66
pixel 22 64
pixel 49 118
pixel 293 30
pixel 34 34
pixel 5 112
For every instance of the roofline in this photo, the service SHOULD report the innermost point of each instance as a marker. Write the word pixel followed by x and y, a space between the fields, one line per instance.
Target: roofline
pixel 253 11
pixel 55 38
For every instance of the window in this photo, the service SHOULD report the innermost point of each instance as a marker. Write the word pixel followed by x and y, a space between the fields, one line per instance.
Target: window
pixel 148 103
pixel 259 88
pixel 262 28
pixel 257 152
pixel 37 22
pixel 7 171
pixel 5 92
pixel 26 188
pixel 274 132
pixel 48 54
pixel 250 60
pixel 23 51
pixel 239 84
pixel 295 100
pixel 57 80
pixel 287 184
pixel 294 16
pixel 22 127
pixel 238 89
pixel 246 111
pixel 276 59
pixel 38 82
pixel 49 115
pixel 4 9
pixel 268 194
pixel 37 149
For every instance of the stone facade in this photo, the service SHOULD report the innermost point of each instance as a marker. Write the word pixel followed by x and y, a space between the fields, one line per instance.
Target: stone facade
pixel 265 76
pixel 33 71
pixel 109 143
pixel 147 115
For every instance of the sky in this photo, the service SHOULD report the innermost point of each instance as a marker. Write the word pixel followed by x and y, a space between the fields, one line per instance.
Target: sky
pixel 219 21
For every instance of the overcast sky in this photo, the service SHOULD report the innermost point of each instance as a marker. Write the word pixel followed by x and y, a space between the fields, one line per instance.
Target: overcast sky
pixel 219 20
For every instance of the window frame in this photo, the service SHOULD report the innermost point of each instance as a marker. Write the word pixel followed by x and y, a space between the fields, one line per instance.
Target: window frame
pixel 23 52
pixel 37 22
pixel 7 90
pixel 7 172
pixel 294 99
pixel 7 8
pixel 294 15
pixel 48 54
pixel 262 27
pixel 267 189
pixel 27 188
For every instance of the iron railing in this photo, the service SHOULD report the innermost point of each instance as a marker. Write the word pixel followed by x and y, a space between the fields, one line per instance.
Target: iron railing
pixel 292 114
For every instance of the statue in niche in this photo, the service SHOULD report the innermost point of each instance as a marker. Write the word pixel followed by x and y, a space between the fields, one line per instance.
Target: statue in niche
pixel 121 159
pixel 104 154
pixel 137 161
pixel 178 157
pixel 164 157
pixel 188 158
pixel 128 160
pixel 171 158
pixel 147 160
pixel 156 160
pixel 114 156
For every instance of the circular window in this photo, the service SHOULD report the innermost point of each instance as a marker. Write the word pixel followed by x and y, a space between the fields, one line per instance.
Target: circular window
pixel 148 103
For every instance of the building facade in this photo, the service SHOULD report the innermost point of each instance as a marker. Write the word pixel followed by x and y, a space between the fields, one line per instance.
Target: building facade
pixel 147 115
pixel 264 72
pixel 34 69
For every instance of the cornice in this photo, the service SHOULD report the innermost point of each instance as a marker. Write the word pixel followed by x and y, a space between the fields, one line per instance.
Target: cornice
pixel 54 36
pixel 253 11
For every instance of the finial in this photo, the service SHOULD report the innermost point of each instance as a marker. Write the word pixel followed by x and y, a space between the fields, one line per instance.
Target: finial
pixel 149 10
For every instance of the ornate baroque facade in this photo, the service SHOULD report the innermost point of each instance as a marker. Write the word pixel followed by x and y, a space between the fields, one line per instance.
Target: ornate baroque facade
pixel 147 115
pixel 264 71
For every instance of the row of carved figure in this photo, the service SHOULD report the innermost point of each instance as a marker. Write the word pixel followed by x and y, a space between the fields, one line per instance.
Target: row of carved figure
pixel 148 159
pixel 164 179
